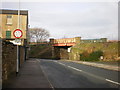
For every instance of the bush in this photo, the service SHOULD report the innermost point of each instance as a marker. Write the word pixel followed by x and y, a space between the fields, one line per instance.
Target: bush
pixel 94 56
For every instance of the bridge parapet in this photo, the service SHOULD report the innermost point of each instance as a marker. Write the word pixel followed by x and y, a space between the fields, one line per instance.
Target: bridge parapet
pixel 65 41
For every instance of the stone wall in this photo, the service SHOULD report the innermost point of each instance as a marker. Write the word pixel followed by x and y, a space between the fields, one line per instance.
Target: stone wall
pixel 22 55
pixel 109 49
pixel 56 53
pixel 64 53
pixel 9 56
pixel 47 51
pixel 8 61
pixel 60 52
pixel 43 51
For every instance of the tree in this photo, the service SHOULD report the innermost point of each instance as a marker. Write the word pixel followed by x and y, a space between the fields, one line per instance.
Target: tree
pixel 38 34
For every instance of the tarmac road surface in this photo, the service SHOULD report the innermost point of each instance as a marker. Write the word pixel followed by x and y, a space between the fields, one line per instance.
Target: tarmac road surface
pixel 64 74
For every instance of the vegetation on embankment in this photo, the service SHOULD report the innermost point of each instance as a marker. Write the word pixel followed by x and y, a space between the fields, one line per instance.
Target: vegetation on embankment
pixel 107 51
pixel 43 51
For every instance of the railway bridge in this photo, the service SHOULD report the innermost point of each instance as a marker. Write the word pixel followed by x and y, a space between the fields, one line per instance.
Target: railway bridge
pixel 61 47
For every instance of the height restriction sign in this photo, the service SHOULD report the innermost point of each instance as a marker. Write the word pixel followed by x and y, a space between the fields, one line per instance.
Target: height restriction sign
pixel 18 33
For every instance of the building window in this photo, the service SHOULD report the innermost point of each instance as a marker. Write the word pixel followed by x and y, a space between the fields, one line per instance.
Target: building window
pixel 8 34
pixel 9 19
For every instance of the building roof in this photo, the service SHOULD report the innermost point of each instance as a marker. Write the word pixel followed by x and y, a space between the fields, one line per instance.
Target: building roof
pixel 7 11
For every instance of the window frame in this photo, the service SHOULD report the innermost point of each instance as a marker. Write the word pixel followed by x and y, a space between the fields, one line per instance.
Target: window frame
pixel 9 20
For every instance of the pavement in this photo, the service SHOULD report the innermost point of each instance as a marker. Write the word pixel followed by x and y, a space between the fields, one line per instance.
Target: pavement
pixel 106 65
pixel 29 76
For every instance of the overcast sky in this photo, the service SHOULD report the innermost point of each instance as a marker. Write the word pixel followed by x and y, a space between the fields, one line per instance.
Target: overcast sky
pixel 88 20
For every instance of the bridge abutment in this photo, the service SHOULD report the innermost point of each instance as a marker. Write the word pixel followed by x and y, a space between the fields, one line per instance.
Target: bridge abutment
pixel 60 52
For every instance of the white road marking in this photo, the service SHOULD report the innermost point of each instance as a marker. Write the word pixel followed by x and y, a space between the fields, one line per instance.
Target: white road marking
pixel 61 63
pixel 74 68
pixel 55 61
pixel 69 66
pixel 112 81
pixel 38 60
pixel 86 72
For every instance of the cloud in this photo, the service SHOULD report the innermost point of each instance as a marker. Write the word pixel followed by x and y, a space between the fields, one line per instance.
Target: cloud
pixel 85 19
pixel 61 0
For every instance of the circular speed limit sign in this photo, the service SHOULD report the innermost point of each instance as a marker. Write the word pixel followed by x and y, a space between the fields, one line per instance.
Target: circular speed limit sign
pixel 18 33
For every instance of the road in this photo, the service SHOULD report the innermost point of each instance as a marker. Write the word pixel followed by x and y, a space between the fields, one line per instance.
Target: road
pixel 64 74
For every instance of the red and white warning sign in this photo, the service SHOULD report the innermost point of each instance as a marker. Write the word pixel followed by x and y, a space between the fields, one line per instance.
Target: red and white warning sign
pixel 18 33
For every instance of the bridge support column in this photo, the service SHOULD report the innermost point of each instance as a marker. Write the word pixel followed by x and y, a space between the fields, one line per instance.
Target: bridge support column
pixel 60 52
pixel 55 52
pixel 64 53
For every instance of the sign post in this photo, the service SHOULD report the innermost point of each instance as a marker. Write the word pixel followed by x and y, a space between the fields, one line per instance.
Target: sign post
pixel 17 34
